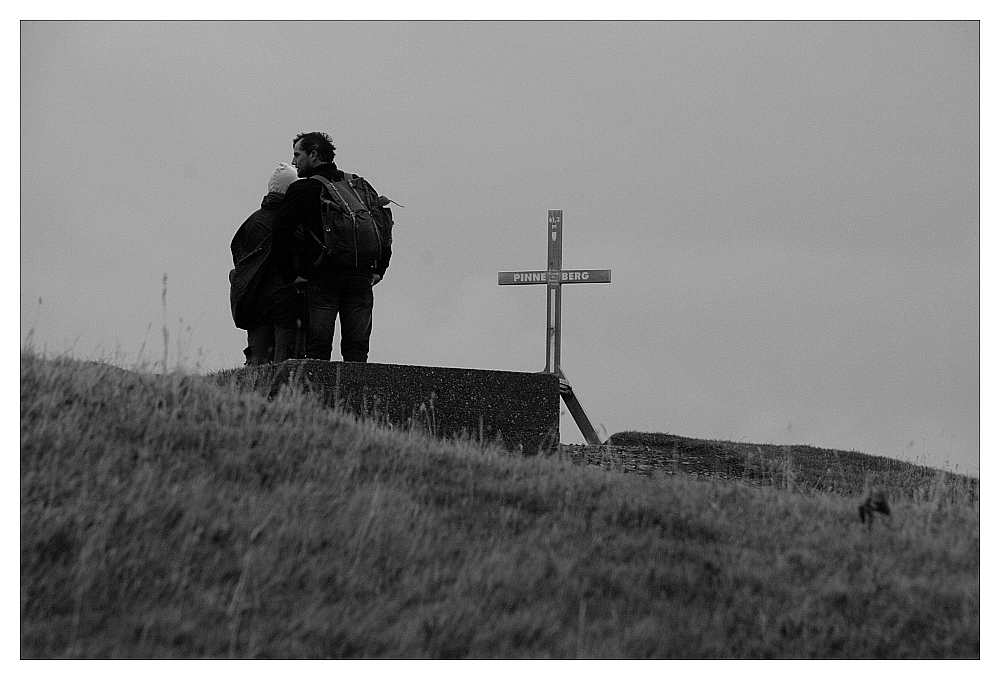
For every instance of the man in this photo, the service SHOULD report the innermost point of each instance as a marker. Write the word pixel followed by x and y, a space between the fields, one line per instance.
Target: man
pixel 330 289
pixel 270 310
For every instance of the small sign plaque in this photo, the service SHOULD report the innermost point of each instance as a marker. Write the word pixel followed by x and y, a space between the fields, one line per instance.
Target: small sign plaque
pixel 562 276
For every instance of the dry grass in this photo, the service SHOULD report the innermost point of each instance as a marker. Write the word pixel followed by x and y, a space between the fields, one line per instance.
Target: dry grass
pixel 168 516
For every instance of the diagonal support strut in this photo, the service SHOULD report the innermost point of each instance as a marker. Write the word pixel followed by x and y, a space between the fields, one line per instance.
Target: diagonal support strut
pixel 576 410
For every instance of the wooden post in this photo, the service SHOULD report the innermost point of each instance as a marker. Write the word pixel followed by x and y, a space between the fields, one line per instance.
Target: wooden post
pixel 553 316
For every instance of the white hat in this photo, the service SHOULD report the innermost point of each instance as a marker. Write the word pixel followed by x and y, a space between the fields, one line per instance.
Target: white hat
pixel 282 176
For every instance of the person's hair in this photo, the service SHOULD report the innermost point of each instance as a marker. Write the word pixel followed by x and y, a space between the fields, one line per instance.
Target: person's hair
pixel 319 142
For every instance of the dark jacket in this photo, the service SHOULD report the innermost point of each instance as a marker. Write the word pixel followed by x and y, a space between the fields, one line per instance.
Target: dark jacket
pixel 251 247
pixel 304 256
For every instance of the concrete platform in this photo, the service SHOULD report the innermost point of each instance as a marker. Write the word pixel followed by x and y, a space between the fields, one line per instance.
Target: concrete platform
pixel 519 409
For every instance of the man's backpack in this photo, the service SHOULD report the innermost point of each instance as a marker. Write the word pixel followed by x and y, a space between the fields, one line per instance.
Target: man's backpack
pixel 356 227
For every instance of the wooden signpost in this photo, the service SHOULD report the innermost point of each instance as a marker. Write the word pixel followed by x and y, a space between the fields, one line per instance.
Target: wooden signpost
pixel 553 278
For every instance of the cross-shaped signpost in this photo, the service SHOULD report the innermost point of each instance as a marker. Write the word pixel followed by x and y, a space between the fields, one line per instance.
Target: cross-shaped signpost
pixel 554 277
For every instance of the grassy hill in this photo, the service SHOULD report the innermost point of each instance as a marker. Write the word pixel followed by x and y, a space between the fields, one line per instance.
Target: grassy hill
pixel 799 468
pixel 171 516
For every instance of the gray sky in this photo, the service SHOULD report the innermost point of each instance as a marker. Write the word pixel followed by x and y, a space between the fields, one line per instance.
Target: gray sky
pixel 790 210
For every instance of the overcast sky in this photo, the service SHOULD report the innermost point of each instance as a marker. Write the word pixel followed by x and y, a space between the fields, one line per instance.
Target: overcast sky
pixel 790 210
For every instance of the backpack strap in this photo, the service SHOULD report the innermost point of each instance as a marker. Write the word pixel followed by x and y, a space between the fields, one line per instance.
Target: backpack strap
pixel 329 187
pixel 355 181
pixel 322 247
pixel 334 191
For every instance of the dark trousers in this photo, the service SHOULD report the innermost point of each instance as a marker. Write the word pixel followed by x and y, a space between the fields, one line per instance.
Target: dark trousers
pixel 280 309
pixel 267 344
pixel 351 298
pixel 260 345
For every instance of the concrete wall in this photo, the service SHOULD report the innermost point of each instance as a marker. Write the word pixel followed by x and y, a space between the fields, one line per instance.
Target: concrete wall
pixel 522 409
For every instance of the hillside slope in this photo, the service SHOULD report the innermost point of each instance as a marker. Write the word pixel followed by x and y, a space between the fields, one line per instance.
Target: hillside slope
pixel 794 467
pixel 170 517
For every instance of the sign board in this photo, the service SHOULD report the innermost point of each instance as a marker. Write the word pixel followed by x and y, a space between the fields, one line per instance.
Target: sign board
pixel 563 276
